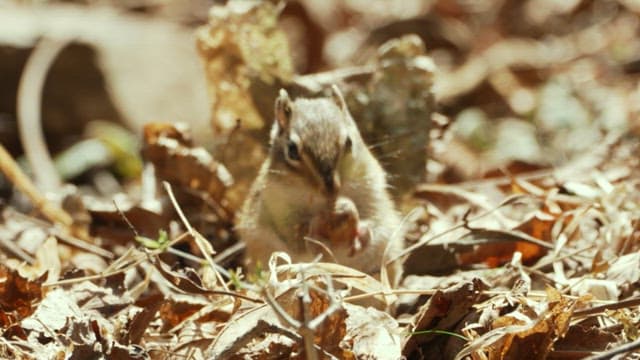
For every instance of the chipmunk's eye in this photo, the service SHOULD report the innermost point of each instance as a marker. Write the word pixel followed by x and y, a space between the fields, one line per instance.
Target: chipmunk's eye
pixel 292 151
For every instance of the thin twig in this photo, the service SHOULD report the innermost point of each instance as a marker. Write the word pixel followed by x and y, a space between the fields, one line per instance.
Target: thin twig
pixel 634 345
pixel 82 244
pixel 94 277
pixel 22 182
pixel 306 330
pixel 460 225
pixel 309 325
pixel 322 246
pixel 65 236
pixel 13 247
pixel 602 308
pixel 232 250
pixel 550 261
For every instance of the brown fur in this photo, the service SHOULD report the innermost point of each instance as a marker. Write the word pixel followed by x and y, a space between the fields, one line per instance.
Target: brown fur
pixel 287 196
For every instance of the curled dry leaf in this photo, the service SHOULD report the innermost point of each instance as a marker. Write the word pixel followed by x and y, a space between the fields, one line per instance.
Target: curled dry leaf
pixel 58 313
pixel 532 238
pixel 625 271
pixel 347 332
pixel 138 322
pixel 525 333
pixel 174 312
pixel 329 333
pixel 169 148
pixel 442 312
pixel 411 303
pixel 371 334
pixel 17 296
pixel 585 337
pixel 103 300
pixel 257 330
pixel 366 290
pixel 75 322
pixel 496 247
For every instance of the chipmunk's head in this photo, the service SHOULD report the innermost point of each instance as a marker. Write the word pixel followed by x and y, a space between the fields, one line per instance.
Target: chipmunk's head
pixel 314 138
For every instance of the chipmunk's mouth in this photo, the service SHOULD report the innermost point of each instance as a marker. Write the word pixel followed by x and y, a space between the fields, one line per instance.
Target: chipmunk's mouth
pixel 330 181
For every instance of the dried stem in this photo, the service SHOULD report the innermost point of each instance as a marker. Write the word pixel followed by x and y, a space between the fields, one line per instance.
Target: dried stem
pixel 22 182
pixel 28 112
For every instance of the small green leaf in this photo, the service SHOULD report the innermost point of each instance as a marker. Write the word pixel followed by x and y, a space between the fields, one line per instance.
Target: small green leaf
pixel 160 243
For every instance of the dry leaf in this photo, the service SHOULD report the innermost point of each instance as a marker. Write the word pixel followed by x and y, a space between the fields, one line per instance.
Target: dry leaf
pixel 169 148
pixel 17 296
pixel 443 310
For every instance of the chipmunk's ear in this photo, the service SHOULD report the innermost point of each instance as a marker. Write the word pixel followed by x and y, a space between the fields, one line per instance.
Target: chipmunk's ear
pixel 337 97
pixel 283 109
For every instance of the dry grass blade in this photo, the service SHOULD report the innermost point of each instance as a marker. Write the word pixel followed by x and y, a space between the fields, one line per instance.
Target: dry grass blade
pixel 203 244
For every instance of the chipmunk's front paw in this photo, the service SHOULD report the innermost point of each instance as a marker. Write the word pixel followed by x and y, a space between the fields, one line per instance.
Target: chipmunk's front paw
pixel 341 227
pixel 347 229
pixel 361 240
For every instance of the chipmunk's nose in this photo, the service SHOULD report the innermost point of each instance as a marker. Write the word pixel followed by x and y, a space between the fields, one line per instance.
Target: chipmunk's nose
pixel 330 180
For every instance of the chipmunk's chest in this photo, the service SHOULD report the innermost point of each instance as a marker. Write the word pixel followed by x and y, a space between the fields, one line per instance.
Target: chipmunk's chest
pixel 288 208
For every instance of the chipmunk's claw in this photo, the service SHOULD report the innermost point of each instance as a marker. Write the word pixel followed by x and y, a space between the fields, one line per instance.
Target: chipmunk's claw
pixel 361 240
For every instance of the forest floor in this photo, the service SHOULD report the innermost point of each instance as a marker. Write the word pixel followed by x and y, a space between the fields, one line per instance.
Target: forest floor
pixel 131 132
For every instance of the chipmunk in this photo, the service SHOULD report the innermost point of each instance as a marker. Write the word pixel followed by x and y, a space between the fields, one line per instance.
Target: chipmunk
pixel 320 182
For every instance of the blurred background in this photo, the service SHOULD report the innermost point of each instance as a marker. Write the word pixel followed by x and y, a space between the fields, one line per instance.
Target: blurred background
pixel 553 74
pixel 104 104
